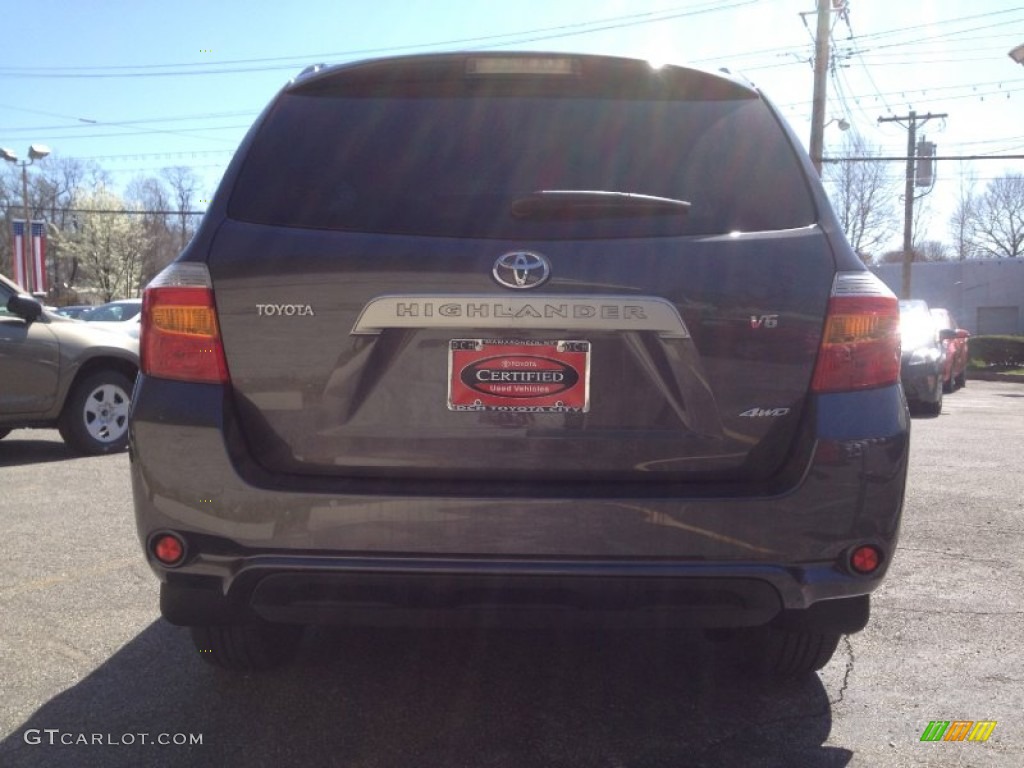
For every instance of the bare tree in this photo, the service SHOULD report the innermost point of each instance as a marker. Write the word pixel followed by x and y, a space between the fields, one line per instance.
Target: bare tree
pixel 863 198
pixel 931 250
pixel 184 185
pixel 151 196
pixel 9 198
pixel 42 193
pixel 55 185
pixel 62 180
pixel 919 229
pixel 962 222
pixel 925 250
pixel 998 229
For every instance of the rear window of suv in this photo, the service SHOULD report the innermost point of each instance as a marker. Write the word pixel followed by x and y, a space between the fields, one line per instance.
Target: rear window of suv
pixel 444 161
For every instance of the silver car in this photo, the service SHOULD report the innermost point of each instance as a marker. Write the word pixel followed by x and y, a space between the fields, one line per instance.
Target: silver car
pixel 63 373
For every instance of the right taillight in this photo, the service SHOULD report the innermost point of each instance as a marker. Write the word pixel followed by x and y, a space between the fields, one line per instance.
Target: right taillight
pixel 860 347
pixel 180 335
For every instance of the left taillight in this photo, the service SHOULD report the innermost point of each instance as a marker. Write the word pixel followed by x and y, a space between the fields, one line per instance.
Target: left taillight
pixel 180 336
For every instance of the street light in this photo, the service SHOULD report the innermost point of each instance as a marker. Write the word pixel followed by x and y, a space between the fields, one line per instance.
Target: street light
pixel 35 152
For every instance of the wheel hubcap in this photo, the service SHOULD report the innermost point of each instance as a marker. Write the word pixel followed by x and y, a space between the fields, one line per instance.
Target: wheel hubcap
pixel 106 413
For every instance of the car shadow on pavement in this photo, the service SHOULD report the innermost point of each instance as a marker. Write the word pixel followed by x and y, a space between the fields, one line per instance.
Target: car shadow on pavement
pixel 432 698
pixel 17 452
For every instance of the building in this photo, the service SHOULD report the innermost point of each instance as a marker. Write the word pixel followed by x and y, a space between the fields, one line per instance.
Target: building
pixel 985 296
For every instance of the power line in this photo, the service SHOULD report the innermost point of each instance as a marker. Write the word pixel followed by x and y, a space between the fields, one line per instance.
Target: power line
pixel 142 121
pixel 168 155
pixel 915 27
pixel 922 94
pixel 299 59
pixel 648 17
pixel 867 38
pixel 904 158
pixel 241 126
pixel 638 19
pixel 131 212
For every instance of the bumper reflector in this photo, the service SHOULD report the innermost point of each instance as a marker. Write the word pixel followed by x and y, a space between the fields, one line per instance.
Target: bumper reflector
pixel 169 549
pixel 865 560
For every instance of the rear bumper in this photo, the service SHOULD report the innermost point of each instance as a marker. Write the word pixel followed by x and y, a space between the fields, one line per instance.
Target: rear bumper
pixel 300 550
pixel 497 595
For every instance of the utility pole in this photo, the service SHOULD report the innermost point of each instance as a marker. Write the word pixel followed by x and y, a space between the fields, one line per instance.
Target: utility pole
pixel 911 121
pixel 821 61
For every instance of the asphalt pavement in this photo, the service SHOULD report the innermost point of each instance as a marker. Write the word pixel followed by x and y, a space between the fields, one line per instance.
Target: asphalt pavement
pixel 93 677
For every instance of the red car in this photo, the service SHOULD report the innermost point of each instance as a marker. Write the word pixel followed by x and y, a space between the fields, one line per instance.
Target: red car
pixel 955 375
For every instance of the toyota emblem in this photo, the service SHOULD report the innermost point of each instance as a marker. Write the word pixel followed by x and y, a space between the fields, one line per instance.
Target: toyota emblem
pixel 521 269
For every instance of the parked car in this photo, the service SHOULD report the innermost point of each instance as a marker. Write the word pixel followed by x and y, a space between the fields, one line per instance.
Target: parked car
pixel 923 359
pixel 955 347
pixel 74 311
pixel 58 372
pixel 119 311
pixel 123 315
pixel 519 335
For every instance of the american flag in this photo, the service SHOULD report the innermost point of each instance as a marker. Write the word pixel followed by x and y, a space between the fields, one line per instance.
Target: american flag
pixel 30 256
pixel 20 264
pixel 39 255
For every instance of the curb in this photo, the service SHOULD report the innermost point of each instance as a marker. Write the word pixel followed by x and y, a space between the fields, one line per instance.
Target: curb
pixel 985 376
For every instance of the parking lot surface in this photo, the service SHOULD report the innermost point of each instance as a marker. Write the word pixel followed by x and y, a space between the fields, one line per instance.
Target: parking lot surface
pixel 93 677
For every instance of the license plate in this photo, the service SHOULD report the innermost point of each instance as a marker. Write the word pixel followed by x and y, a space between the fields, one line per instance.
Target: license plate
pixel 519 375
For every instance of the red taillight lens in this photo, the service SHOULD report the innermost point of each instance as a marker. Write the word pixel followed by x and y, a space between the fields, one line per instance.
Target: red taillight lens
pixel 860 347
pixel 169 549
pixel 180 337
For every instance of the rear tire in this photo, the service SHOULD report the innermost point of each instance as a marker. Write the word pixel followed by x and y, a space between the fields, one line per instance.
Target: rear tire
pixel 785 653
pixel 251 647
pixel 933 409
pixel 95 416
pixel 961 380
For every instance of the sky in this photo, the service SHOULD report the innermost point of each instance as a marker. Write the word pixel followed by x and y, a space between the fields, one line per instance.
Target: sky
pixel 138 85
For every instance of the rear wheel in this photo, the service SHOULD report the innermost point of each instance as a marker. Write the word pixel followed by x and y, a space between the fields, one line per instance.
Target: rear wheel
pixel 961 379
pixel 935 408
pixel 95 416
pixel 785 653
pixel 247 647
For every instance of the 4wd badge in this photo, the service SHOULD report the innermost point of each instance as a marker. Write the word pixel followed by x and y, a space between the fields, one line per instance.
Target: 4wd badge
pixel 760 413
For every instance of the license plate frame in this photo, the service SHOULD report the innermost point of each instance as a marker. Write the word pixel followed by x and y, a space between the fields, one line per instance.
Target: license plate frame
pixel 519 375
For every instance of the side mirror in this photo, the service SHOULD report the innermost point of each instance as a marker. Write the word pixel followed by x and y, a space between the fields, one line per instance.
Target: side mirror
pixel 947 334
pixel 25 307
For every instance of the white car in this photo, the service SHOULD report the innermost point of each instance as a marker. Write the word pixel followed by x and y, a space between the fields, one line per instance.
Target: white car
pixel 122 315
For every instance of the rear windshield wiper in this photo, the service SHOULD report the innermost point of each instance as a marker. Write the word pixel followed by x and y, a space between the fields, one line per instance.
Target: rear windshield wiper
pixel 590 204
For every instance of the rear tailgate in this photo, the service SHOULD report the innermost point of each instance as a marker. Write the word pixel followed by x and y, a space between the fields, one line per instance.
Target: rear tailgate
pixel 698 358
pixel 381 316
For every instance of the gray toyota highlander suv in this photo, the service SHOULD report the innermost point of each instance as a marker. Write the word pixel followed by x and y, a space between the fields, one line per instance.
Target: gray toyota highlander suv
pixel 519 338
